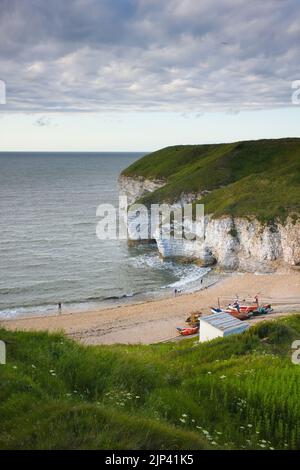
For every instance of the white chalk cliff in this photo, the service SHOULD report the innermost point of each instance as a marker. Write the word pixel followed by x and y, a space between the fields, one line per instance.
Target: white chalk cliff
pixel 234 244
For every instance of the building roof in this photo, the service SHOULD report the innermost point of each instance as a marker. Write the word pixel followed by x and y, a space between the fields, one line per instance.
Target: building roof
pixel 225 322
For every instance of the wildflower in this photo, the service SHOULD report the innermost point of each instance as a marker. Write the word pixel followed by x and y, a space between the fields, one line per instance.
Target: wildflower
pixel 214 443
pixel 220 433
pixel 271 448
pixel 137 396
pixel 33 366
pixel 184 415
pixel 250 425
pixel 242 427
pixel 205 432
pixel 14 367
pixel 209 372
pixel 223 377
pixel 262 445
pixel 182 420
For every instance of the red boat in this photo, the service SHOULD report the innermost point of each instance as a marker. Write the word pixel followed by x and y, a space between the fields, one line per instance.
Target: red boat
pixel 188 331
pixel 242 308
pixel 241 315
pixel 238 314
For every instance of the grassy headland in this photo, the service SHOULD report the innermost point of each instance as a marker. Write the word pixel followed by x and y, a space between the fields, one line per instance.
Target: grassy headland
pixel 239 392
pixel 253 178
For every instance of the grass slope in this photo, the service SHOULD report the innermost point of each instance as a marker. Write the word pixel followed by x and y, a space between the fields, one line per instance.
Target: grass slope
pixel 260 178
pixel 238 392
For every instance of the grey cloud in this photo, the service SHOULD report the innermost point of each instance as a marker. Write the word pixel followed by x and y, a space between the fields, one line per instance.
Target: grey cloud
pixel 181 55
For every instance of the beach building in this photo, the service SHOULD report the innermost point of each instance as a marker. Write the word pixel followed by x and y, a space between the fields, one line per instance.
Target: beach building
pixel 220 325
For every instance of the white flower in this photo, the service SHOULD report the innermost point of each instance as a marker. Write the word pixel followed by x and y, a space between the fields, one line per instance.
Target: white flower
pixel 214 443
pixel 182 420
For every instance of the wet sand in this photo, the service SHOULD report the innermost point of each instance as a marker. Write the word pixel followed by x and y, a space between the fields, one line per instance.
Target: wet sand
pixel 156 320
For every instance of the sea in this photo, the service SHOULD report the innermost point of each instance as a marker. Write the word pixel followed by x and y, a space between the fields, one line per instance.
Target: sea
pixel 49 251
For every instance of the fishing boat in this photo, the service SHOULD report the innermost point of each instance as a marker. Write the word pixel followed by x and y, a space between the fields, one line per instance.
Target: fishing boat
pixel 188 330
pixel 234 312
pixel 244 312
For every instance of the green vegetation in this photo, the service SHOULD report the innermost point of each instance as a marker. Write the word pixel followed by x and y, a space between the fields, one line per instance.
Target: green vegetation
pixel 253 178
pixel 239 392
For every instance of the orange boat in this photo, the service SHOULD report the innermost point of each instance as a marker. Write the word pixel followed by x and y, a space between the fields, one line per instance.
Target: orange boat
pixel 188 331
pixel 241 315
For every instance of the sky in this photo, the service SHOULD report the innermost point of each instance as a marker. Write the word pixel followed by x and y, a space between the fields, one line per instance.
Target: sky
pixel 137 75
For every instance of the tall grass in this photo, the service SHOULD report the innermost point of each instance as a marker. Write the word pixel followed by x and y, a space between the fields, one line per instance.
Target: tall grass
pixel 234 393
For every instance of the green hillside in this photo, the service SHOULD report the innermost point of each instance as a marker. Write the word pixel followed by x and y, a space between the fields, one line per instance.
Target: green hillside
pixel 255 178
pixel 236 393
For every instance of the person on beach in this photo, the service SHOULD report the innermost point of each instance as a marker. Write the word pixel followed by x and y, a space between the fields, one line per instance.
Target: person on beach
pixel 175 292
pixel 59 307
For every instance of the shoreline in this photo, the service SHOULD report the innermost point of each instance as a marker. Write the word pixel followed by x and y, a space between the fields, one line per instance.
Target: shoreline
pixel 155 320
pixel 110 303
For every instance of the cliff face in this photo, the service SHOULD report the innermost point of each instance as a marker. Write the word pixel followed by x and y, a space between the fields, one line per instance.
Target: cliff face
pixel 134 188
pixel 232 243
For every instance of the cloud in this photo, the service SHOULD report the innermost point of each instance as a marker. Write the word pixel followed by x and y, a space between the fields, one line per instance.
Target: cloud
pixel 127 55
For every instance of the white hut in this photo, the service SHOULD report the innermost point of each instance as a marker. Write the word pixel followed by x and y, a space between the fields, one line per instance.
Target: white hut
pixel 220 325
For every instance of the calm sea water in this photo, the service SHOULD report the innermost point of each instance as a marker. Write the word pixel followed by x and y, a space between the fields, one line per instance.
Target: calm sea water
pixel 49 251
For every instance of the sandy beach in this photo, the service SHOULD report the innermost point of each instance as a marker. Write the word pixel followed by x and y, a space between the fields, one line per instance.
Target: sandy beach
pixel 156 321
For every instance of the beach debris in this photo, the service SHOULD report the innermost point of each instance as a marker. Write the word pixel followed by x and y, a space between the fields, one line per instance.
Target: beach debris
pixel 193 319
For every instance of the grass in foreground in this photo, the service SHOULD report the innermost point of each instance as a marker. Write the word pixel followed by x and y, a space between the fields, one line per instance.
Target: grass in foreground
pixel 234 393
